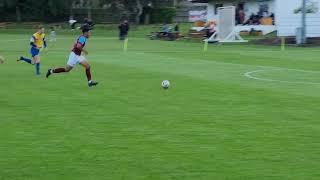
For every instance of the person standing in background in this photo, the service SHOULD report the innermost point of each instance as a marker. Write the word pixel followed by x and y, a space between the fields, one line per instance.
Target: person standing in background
pixel 242 16
pixel 123 30
pixel 88 22
pixel 53 36
pixel 72 23
pixel 211 28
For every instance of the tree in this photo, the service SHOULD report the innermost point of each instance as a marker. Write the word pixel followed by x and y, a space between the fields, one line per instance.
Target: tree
pixel 53 10
pixel 139 5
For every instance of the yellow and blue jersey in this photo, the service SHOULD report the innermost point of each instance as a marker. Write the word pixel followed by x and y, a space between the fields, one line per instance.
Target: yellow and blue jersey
pixel 38 40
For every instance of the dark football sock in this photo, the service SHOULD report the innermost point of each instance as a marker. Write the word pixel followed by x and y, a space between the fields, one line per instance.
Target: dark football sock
pixel 88 74
pixel 38 68
pixel 26 60
pixel 59 70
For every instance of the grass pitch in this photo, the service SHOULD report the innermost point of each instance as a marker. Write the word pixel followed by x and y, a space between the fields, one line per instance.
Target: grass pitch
pixel 234 112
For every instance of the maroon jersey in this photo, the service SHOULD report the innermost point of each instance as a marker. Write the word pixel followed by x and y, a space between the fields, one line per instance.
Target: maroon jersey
pixel 81 40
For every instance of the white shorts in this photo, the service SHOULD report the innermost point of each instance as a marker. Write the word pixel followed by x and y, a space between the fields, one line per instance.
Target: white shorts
pixel 75 59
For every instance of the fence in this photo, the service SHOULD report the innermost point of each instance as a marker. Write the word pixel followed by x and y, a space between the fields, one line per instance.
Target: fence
pixel 105 16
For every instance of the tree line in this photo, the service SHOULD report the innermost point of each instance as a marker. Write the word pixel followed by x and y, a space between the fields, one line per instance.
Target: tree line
pixel 60 10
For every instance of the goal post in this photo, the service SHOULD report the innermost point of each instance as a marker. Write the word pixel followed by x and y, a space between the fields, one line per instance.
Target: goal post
pixel 226 31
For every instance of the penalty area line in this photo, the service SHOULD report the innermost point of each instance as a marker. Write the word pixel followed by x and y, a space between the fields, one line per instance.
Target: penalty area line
pixel 250 75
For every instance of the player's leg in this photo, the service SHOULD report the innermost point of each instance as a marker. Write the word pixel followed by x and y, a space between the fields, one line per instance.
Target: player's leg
pixel 67 68
pixel 33 52
pixel 53 41
pixel 87 67
pixel 27 60
pixel 36 62
pixel 72 61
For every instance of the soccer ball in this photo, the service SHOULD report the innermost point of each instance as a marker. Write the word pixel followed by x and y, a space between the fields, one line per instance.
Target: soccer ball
pixel 1 59
pixel 165 84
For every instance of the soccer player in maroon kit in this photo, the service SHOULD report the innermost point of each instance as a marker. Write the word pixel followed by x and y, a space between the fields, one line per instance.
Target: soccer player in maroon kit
pixel 76 57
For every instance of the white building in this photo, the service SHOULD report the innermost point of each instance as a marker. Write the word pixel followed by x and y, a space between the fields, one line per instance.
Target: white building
pixel 249 7
pixel 288 17
pixel 286 12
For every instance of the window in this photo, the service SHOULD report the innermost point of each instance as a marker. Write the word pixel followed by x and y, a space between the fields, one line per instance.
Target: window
pixel 216 6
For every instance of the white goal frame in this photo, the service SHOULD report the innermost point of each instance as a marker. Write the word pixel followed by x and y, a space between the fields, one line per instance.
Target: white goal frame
pixel 226 31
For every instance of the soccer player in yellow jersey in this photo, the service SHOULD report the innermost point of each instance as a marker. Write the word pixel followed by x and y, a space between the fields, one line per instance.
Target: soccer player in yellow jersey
pixel 37 42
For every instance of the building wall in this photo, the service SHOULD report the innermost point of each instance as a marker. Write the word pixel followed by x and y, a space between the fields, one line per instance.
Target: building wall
pixel 185 7
pixel 211 12
pixel 288 21
pixel 250 6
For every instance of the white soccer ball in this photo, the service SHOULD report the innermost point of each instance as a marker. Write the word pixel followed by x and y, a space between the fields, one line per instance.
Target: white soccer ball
pixel 165 84
pixel 1 59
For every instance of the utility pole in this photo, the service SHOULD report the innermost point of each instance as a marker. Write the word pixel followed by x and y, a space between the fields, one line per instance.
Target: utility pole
pixel 303 22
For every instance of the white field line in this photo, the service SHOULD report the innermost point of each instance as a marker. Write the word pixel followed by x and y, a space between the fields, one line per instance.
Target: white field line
pixel 250 75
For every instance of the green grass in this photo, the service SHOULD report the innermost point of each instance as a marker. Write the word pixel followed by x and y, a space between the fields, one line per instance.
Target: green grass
pixel 213 123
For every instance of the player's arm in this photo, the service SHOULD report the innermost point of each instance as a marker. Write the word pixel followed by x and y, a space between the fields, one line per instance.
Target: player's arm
pixel 45 42
pixel 32 40
pixel 84 51
pixel 80 47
